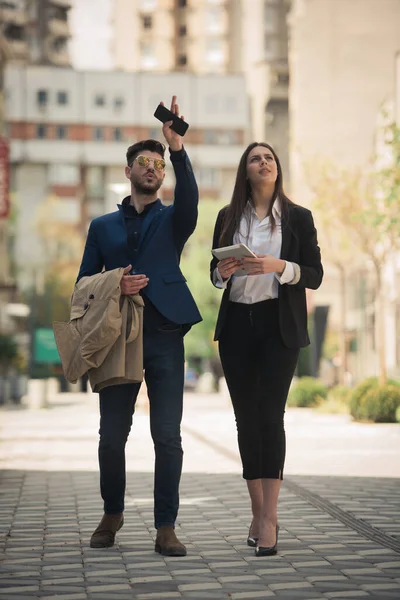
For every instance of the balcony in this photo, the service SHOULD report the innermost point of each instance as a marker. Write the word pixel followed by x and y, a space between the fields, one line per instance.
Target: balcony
pixel 59 28
pixel 16 17
pixel 18 50
pixel 59 58
pixel 62 3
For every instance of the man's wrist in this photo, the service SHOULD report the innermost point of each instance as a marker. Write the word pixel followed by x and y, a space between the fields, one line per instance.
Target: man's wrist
pixel 175 147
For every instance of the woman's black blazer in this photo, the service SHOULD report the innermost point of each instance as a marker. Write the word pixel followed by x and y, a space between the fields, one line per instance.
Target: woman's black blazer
pixel 299 245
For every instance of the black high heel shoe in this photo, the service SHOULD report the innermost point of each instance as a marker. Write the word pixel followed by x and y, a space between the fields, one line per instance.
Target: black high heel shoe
pixel 268 550
pixel 251 541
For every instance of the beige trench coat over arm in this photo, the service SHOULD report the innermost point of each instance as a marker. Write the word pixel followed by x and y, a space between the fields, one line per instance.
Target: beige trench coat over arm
pixel 104 331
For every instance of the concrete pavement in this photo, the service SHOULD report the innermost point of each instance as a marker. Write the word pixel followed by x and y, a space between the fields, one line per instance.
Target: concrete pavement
pixel 339 509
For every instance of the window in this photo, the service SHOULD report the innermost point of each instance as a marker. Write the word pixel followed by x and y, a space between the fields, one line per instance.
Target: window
pixel 148 58
pixel 271 47
pixel 231 104
pixel 214 19
pixel 147 21
pixel 210 137
pixel 61 132
pixel 147 5
pixel 118 102
pixel 41 132
pixel 95 181
pixel 100 100
pixel 14 32
pixel 283 78
pixel 214 51
pixel 42 97
pixel 182 31
pixel 207 177
pixel 60 44
pixel 117 134
pixel 182 60
pixel 62 98
pixel 211 104
pixel 271 16
pixel 98 134
pixel 64 174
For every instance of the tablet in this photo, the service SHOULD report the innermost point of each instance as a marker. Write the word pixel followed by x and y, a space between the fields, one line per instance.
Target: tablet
pixel 236 251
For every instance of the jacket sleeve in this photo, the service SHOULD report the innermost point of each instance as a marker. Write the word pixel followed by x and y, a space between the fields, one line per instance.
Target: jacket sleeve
pixel 92 260
pixel 215 244
pixel 311 270
pixel 186 197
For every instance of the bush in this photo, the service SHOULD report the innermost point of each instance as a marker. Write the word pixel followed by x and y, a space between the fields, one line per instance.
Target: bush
pixel 340 393
pixel 337 401
pixel 307 391
pixel 379 403
pixel 357 397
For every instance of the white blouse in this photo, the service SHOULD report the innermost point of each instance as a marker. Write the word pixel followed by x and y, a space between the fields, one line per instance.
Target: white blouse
pixel 257 235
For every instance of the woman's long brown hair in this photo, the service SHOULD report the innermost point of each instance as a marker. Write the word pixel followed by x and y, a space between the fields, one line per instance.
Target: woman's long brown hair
pixel 242 193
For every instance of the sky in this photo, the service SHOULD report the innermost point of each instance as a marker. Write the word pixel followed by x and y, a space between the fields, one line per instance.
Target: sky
pixel 90 45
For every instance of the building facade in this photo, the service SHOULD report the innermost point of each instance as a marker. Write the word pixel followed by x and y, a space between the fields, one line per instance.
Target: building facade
pixel 36 31
pixel 342 65
pixel 69 132
pixel 214 36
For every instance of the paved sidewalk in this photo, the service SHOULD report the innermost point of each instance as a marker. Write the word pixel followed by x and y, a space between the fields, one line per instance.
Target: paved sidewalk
pixel 339 537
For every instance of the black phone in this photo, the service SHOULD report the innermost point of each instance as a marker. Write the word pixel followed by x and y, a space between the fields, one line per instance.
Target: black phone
pixel 179 125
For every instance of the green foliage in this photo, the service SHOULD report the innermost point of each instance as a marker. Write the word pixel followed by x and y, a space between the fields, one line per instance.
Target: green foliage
pixel 195 265
pixel 374 402
pixel 378 404
pixel 8 352
pixel 340 393
pixel 307 392
pixel 337 400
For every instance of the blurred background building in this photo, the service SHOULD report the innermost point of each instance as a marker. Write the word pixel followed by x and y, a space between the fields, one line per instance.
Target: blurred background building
pixel 69 132
pixel 81 79
pixel 36 31
pixel 342 65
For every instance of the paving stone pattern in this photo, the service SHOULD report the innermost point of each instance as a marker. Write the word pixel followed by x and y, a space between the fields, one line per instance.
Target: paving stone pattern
pixel 46 519
pixel 339 535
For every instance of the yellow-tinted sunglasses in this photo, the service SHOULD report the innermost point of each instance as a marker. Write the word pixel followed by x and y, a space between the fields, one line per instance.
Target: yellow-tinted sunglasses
pixel 144 161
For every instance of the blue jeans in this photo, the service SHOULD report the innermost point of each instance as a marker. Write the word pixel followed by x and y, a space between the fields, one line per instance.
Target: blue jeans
pixel 163 358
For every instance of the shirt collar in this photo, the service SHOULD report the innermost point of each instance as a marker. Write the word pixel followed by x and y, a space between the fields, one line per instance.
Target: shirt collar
pixel 276 208
pixel 130 210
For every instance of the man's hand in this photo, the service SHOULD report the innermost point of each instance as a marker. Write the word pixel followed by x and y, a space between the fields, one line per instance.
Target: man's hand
pixel 264 263
pixel 227 267
pixel 174 140
pixel 132 284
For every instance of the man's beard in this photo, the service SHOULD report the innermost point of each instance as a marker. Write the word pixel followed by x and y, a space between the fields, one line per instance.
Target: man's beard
pixel 147 189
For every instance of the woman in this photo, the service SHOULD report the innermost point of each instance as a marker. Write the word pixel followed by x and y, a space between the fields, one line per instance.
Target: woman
pixel 262 322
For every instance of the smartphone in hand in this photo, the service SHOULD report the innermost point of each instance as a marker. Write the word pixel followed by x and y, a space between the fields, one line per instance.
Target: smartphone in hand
pixel 179 125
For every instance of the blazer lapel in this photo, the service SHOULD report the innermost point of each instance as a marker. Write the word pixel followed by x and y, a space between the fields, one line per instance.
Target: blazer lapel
pixel 286 237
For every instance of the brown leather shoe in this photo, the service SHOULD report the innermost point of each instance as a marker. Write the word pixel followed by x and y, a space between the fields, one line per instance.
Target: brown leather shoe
pixel 104 535
pixel 167 543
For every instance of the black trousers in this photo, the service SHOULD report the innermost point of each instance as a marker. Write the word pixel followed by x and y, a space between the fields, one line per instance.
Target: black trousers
pixel 258 369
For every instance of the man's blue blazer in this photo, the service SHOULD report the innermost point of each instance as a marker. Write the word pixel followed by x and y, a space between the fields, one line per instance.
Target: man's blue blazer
pixel 164 232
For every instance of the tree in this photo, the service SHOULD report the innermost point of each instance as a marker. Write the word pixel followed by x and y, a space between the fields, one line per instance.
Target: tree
pixel 62 250
pixel 332 204
pixel 363 207
pixel 196 267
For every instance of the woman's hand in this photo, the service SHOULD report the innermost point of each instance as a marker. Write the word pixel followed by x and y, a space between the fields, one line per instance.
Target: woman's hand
pixel 264 263
pixel 227 267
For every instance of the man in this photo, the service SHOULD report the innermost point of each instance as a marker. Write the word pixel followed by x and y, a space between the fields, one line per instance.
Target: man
pixel 147 238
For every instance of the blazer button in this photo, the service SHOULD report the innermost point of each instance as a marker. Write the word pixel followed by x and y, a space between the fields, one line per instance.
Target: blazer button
pixel 91 297
pixel 86 305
